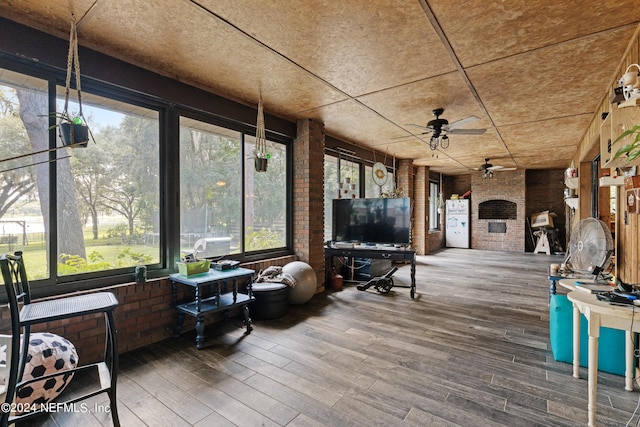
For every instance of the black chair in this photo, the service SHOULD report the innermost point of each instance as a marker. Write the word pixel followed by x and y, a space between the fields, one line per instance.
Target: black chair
pixel 25 313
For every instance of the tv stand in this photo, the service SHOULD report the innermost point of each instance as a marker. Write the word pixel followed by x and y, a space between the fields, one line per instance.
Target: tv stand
pixel 376 252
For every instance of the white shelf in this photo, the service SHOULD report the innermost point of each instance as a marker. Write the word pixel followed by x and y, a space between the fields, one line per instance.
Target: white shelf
pixel 572 182
pixel 572 202
pixel 609 181
pixel 629 103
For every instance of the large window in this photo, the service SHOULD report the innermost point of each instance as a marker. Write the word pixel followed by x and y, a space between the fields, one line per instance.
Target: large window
pixel 212 187
pixel 106 199
pixel 24 194
pixel 108 193
pixel 265 199
pixel 331 191
pixel 341 181
pixel 142 191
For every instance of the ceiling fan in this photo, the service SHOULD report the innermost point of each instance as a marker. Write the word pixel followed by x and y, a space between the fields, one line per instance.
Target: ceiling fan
pixel 487 169
pixel 439 128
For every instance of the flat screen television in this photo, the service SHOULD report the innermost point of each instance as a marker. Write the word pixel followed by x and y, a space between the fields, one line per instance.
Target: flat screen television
pixel 376 220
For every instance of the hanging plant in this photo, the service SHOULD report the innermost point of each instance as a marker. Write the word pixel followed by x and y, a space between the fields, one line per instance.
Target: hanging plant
pixel 261 157
pixel 73 130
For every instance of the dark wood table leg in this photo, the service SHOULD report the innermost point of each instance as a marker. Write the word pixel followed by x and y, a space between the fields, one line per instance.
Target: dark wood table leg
pixel 413 277
pixel 179 323
pixel 174 301
pixel 247 319
pixel 199 331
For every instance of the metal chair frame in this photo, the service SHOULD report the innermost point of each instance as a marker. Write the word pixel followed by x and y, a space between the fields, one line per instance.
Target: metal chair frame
pixel 25 313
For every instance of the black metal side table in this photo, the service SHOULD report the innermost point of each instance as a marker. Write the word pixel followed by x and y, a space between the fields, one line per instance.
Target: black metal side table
pixel 220 297
pixel 392 254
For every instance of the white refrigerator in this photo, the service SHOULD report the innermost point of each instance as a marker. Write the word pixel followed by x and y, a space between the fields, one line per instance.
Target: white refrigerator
pixel 457 223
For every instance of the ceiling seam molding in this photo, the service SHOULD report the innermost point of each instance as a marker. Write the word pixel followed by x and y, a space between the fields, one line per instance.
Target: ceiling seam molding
pixel 294 63
pixel 552 45
pixel 546 119
pixel 445 41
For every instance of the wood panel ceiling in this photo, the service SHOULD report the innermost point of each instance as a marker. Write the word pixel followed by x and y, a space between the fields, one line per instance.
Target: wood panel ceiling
pixel 534 72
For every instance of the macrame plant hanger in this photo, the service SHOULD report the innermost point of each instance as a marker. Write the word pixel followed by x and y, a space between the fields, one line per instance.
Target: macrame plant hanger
pixel 260 151
pixel 73 67
pixel 73 61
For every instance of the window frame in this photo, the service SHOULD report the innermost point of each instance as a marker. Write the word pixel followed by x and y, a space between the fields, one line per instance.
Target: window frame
pixel 169 113
pixel 433 206
pixel 243 129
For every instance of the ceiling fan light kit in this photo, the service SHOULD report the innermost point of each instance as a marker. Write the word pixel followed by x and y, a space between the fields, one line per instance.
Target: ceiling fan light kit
pixel 436 126
pixel 443 142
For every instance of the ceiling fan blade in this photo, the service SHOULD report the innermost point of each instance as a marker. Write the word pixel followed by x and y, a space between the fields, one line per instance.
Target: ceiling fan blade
pixel 418 126
pixel 462 123
pixel 416 135
pixel 500 168
pixel 467 131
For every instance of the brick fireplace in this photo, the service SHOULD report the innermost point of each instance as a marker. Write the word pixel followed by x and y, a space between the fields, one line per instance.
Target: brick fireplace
pixel 498 211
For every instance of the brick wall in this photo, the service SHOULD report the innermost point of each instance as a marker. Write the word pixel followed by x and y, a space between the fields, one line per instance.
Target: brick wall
pixel 308 196
pixel 457 185
pixel 405 176
pixel 414 183
pixel 435 239
pixel 144 315
pixel 497 209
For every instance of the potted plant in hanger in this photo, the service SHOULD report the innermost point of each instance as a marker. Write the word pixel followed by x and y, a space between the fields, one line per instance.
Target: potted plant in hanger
pixel 260 155
pixel 440 204
pixel 261 160
pixel 73 130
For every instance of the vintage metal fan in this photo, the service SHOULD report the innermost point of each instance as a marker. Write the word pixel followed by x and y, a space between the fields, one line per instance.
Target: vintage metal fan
pixel 590 247
pixel 380 174
pixel 439 126
pixel 488 169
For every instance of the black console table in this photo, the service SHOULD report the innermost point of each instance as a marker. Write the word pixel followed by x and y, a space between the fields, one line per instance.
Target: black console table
pixel 220 297
pixel 391 253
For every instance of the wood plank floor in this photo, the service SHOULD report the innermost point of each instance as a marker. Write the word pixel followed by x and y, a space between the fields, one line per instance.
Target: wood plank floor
pixel 471 350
